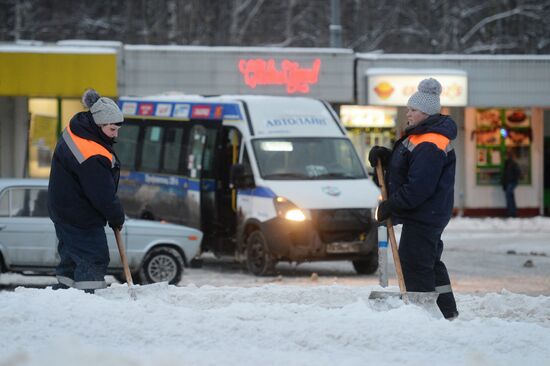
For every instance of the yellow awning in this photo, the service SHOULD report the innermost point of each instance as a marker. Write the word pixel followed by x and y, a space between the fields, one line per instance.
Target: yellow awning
pixel 51 74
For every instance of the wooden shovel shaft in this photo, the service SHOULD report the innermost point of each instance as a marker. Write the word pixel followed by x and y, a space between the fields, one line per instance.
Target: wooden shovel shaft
pixel 122 253
pixel 391 235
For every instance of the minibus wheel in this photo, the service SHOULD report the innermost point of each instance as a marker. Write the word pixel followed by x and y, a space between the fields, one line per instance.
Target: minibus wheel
pixel 259 259
pixel 368 265
pixel 162 264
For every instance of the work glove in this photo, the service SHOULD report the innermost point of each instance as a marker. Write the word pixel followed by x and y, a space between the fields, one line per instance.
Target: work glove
pixel 116 224
pixel 383 211
pixel 379 153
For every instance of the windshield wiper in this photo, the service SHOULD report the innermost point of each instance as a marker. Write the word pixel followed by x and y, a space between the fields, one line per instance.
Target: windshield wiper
pixel 286 175
pixel 336 175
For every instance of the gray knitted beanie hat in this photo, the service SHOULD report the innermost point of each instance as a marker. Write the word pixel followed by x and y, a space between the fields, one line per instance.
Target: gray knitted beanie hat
pixel 426 99
pixel 104 110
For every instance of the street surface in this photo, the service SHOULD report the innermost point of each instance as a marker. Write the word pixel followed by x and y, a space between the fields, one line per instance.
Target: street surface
pixel 481 256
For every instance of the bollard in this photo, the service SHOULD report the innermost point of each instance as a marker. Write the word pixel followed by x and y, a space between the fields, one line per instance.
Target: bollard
pixel 383 255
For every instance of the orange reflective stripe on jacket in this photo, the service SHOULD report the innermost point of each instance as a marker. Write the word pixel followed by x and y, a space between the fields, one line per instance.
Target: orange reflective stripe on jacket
pixel 82 149
pixel 442 142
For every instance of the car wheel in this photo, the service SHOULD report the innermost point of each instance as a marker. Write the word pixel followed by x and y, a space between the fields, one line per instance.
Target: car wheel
pixel 369 265
pixel 259 259
pixel 162 265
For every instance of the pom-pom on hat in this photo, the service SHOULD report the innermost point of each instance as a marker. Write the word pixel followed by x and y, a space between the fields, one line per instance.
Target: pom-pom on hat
pixel 104 110
pixel 426 99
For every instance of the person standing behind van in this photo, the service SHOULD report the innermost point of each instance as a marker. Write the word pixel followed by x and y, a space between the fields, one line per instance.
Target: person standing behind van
pixel 82 193
pixel 421 173
pixel 510 179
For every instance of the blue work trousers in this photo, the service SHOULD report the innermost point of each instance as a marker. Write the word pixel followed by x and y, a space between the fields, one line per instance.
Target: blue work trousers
pixel 420 249
pixel 84 257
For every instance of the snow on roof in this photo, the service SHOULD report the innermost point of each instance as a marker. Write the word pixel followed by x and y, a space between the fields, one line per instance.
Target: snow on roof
pixel 216 49
pixel 88 43
pixel 13 48
pixel 418 56
pixel 406 71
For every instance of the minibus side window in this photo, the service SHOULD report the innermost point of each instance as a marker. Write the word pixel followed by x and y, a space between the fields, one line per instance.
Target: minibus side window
pixel 126 146
pixel 246 162
pixel 209 151
pixel 152 147
pixel 172 149
pixel 231 142
pixel 195 149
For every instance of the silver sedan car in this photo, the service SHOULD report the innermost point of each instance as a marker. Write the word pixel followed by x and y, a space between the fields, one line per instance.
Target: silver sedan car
pixel 157 252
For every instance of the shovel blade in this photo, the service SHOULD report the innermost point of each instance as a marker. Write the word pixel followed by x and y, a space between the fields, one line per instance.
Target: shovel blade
pixel 425 300
pixel 417 298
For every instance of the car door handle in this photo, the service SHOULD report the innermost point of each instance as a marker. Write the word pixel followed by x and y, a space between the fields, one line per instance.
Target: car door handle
pixel 2 227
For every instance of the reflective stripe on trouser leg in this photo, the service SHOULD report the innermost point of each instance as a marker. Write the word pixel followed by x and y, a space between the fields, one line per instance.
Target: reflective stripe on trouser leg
pixel 90 285
pixel 65 281
pixel 444 289
pixel 446 300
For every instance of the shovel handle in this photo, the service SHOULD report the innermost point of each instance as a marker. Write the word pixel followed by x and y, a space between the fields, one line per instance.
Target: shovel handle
pixel 122 253
pixel 391 235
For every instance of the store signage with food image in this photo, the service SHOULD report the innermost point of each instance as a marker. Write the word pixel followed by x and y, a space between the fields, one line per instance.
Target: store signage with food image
pixel 497 131
pixel 488 119
pixel 517 118
pixel 488 124
pixel 384 89
pixel 488 137
pixel 481 156
pixel 518 137
pixel 518 123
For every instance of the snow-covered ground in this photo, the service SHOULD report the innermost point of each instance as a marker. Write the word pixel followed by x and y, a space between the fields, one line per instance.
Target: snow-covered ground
pixel 226 317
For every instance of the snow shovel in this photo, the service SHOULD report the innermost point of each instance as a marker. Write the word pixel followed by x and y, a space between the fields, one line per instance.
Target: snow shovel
pixel 426 299
pixel 124 261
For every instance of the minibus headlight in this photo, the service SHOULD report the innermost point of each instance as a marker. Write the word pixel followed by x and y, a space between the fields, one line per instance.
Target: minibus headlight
pixel 288 210
pixel 295 215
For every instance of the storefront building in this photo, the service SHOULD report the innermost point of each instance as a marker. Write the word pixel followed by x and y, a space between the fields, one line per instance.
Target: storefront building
pixel 500 104
pixel 41 85
pixel 40 89
pixel 319 73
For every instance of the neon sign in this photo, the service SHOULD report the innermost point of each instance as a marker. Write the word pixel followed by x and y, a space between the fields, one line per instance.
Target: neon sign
pixel 264 72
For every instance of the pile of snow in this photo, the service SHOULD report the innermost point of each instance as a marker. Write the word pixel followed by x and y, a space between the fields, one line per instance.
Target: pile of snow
pixel 495 225
pixel 265 325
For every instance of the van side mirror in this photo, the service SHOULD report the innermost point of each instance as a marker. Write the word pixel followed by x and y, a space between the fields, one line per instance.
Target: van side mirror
pixel 241 177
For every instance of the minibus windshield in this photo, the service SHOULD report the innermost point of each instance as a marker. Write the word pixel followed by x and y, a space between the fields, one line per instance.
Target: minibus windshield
pixel 307 159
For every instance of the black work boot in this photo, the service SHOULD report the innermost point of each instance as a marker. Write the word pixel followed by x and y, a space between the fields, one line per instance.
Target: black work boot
pixel 59 286
pixel 450 316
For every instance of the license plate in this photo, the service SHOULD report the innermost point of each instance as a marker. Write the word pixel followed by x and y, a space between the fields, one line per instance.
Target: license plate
pixel 341 247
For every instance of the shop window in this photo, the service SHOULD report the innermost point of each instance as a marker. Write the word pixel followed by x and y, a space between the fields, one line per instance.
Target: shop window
pixel 500 133
pixel 368 126
pixel 42 135
pixel 44 129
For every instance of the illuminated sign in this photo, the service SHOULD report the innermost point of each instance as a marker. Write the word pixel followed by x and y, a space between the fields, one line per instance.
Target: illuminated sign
pixel 393 87
pixel 365 116
pixel 265 72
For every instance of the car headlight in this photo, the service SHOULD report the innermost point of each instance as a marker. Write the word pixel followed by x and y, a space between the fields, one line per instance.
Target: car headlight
pixel 288 210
